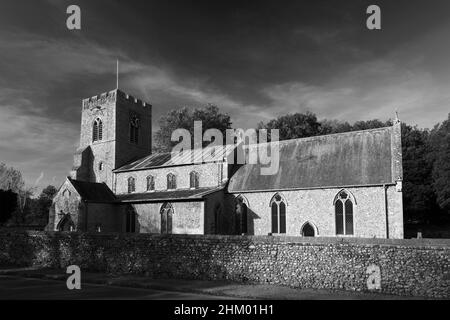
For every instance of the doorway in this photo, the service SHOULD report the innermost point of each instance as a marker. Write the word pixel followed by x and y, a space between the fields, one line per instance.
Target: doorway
pixel 308 230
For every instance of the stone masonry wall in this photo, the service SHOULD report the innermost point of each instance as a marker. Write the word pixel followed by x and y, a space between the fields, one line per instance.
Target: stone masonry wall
pixel 316 207
pixel 187 218
pixel 418 267
pixel 208 177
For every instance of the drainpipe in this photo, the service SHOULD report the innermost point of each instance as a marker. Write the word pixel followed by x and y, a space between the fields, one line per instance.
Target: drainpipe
pixel 114 182
pixel 85 215
pixel 386 210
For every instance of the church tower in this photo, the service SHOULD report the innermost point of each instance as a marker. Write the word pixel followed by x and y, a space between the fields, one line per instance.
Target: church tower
pixel 116 128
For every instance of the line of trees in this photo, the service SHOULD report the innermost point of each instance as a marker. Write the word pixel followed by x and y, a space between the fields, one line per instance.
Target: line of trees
pixel 184 118
pixel 18 207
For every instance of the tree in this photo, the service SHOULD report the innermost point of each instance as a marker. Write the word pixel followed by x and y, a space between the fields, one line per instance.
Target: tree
pixel 8 200
pixel 440 146
pixel 184 118
pixel 334 126
pixel 301 125
pixel 292 126
pixel 370 124
pixel 48 193
pixel 37 209
pixel 418 194
pixel 10 179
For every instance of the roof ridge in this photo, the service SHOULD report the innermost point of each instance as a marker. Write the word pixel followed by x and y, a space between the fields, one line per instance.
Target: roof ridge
pixel 321 136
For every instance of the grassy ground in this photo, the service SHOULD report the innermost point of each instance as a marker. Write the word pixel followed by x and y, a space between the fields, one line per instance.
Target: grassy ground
pixel 213 288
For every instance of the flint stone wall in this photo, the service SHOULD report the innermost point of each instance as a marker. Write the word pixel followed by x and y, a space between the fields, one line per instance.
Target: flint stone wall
pixel 408 267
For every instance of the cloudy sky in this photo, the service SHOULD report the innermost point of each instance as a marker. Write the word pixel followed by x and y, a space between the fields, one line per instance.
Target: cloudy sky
pixel 256 60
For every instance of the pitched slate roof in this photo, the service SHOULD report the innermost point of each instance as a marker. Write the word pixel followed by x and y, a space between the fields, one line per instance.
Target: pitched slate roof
pixel 157 160
pixel 171 195
pixel 344 159
pixel 91 191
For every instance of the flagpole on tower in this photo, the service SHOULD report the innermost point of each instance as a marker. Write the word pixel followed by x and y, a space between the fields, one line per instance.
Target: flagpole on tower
pixel 117 75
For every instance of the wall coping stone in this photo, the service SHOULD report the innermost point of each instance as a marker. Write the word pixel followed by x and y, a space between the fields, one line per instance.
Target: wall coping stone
pixel 321 241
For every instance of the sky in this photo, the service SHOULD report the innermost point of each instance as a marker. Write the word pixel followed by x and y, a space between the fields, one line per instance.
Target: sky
pixel 255 60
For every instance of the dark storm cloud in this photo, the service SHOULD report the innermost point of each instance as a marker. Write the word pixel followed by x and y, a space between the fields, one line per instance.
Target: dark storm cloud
pixel 254 59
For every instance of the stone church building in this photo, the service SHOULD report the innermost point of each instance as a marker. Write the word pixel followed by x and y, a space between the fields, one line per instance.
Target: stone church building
pixel 346 184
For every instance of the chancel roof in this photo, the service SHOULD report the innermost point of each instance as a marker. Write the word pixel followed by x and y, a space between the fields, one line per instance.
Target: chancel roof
pixel 344 159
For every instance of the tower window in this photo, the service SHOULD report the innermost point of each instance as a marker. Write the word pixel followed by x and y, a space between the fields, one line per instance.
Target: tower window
pixel 194 180
pixel 97 130
pixel 100 166
pixel 131 185
pixel 134 128
pixel 171 181
pixel 278 207
pixel 150 183
pixel 343 207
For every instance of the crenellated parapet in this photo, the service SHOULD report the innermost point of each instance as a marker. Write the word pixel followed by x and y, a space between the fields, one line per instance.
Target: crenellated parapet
pixel 111 97
pixel 130 99
pixel 102 99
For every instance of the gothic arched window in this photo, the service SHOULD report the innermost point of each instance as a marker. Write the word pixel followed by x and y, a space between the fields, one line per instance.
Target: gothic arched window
pixel 278 207
pixel 131 185
pixel 134 128
pixel 97 130
pixel 241 211
pixel 343 207
pixel 150 183
pixel 171 181
pixel 166 218
pixel 194 180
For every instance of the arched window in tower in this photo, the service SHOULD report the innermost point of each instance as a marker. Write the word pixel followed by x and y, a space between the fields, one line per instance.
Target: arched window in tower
pixel 150 183
pixel 171 181
pixel 166 218
pixel 278 208
pixel 134 128
pixel 97 130
pixel 131 185
pixel 194 180
pixel 130 225
pixel 343 206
